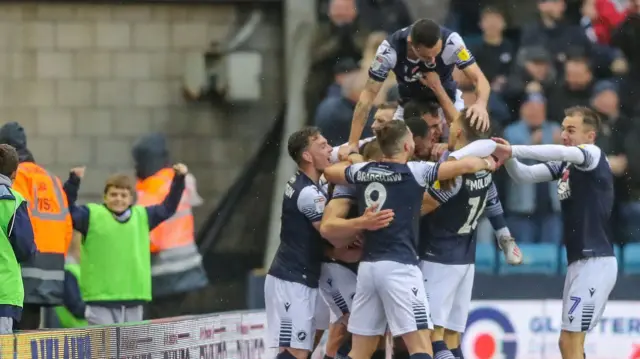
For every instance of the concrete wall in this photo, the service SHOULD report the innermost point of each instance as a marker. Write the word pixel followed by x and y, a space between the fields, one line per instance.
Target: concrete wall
pixel 86 80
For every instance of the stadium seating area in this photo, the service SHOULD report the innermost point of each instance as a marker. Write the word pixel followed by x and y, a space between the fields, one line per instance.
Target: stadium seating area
pixel 547 259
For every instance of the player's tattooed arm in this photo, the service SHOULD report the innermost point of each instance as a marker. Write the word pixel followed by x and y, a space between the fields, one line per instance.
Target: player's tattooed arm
pixel 361 111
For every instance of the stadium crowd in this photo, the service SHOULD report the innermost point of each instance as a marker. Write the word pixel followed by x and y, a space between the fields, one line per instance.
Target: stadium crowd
pixel 540 57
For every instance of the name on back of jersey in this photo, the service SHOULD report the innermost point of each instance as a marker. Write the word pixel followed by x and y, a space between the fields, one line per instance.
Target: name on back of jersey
pixel 378 175
pixel 479 183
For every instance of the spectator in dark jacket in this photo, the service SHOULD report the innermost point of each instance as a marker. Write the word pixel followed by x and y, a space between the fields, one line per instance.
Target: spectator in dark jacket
pixel 630 210
pixel 334 114
pixel 557 35
pixel 575 90
pixel 343 37
pixel 627 38
pixel 494 53
pixel 532 73
pixel 342 69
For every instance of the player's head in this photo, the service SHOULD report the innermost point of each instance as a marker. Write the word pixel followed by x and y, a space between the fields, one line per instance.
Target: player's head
pixel 580 126
pixel 395 140
pixel 425 39
pixel 308 147
pixel 118 193
pixel 462 132
pixel 8 161
pixel 430 112
pixel 383 114
pixel 371 151
pixel 421 137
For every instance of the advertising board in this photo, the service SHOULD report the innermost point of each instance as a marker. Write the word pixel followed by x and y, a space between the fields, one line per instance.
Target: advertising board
pixel 530 330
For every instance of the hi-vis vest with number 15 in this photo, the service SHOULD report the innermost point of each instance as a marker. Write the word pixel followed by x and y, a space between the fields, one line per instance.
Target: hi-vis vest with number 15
pixel 176 264
pixel 49 212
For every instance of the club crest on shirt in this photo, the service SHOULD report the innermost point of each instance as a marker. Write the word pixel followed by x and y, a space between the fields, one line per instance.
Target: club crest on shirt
pixel 564 189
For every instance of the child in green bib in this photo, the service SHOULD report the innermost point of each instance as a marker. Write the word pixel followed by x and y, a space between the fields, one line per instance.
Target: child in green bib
pixel 115 264
pixel 17 244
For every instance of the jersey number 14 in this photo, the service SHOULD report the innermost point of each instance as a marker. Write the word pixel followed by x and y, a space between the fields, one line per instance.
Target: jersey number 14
pixel 475 210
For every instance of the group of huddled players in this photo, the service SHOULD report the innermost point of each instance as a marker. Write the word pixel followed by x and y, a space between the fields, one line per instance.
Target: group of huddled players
pixel 377 240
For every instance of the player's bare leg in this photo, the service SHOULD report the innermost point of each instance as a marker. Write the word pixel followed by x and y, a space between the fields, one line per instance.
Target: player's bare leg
pixel 337 335
pixel 317 338
pixel 399 349
pixel 440 347
pixel 418 342
pixel 453 339
pixel 572 344
pixel 363 346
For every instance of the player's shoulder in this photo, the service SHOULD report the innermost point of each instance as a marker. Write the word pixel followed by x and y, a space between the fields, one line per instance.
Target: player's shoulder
pixel 453 47
pixel 344 191
pixel 593 157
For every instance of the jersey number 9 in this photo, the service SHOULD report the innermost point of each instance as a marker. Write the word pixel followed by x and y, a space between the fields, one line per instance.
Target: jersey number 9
pixel 379 192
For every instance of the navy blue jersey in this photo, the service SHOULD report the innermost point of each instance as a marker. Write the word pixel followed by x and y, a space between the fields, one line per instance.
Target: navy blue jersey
pixel 586 196
pixel 447 233
pixel 300 251
pixel 392 56
pixel 399 187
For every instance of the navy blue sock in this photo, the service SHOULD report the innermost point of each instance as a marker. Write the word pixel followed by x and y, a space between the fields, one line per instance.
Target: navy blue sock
pixel 379 354
pixel 457 353
pixel 420 356
pixel 285 355
pixel 345 348
pixel 440 350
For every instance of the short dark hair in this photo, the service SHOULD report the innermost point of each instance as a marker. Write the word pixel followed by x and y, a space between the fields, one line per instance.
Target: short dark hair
pixel 371 150
pixel 416 108
pixel 390 136
pixel 425 32
pixel 8 160
pixel 418 126
pixel 119 180
pixel 299 142
pixel 589 116
pixel 471 133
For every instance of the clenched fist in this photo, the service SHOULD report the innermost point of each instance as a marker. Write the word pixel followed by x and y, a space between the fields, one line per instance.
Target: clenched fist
pixel 78 171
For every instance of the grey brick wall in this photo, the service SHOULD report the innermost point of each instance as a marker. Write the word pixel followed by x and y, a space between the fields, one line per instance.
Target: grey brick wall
pixel 86 80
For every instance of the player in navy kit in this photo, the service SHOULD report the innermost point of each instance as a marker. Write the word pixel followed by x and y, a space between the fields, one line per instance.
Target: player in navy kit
pixel 390 287
pixel 412 52
pixel 291 286
pixel 585 189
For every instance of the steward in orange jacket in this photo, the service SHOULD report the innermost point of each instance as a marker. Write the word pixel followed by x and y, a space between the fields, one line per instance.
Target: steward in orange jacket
pixel 43 276
pixel 176 264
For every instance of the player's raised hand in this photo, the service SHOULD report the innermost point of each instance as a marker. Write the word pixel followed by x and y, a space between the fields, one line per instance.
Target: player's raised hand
pixel 431 80
pixel 479 117
pixel 372 219
pixel 503 149
pixel 344 151
pixel 181 169
pixel 492 164
pixel 438 150
pixel 78 171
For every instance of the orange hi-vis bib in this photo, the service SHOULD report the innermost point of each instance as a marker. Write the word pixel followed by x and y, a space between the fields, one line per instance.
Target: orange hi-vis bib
pixel 172 242
pixel 52 228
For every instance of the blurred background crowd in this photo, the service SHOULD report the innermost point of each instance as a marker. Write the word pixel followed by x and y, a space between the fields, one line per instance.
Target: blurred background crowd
pixel 540 57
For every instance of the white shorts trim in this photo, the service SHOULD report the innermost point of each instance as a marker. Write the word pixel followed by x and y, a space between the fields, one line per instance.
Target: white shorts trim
pixel 337 288
pixel 389 292
pixel 449 288
pixel 586 290
pixel 290 311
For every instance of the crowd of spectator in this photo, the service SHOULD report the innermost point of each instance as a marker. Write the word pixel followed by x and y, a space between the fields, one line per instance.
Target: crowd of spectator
pixel 564 53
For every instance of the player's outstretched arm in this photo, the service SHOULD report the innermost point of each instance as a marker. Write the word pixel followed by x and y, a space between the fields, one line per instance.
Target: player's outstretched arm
pixel 479 148
pixel 336 173
pixel 341 232
pixel 521 173
pixel 361 111
pixel 585 157
pixel 453 169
